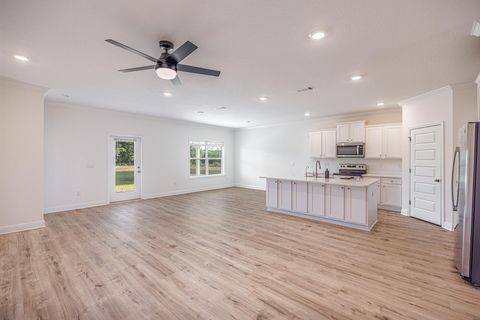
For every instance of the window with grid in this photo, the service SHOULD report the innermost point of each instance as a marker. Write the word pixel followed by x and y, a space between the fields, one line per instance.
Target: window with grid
pixel 206 158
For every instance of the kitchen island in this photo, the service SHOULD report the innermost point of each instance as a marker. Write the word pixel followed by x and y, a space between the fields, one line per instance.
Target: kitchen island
pixel 351 203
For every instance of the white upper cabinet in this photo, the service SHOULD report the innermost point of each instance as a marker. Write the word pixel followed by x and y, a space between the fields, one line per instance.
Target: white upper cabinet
pixel 392 142
pixel 343 132
pixel 349 132
pixel 323 144
pixel 329 144
pixel 374 142
pixel 357 131
pixel 383 142
pixel 316 144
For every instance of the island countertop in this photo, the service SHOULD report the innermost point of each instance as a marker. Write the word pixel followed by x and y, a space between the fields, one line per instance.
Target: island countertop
pixel 355 182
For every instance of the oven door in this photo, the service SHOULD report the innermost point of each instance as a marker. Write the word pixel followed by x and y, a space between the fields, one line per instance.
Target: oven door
pixel 350 150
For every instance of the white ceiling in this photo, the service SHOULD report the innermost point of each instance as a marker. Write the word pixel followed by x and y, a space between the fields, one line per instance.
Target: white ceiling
pixel 403 48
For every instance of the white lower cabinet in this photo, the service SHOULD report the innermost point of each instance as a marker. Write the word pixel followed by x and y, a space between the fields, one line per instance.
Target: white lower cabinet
pixel 355 205
pixel 336 202
pixel 272 193
pixel 299 197
pixel 346 205
pixel 316 199
pixel 285 194
pixel 391 194
pixel 279 194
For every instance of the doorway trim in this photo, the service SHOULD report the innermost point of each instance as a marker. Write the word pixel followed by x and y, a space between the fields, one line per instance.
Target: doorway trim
pixel 111 157
pixel 442 165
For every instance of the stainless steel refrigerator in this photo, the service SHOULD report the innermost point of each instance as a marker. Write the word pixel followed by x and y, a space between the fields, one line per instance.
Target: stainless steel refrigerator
pixel 466 201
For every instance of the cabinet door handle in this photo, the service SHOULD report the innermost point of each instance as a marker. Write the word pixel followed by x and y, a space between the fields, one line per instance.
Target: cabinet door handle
pixel 437 180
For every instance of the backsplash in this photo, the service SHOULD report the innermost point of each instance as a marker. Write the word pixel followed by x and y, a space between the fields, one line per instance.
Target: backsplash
pixel 390 166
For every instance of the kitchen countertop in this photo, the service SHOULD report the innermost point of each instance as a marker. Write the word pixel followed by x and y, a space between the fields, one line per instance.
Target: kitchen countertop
pixel 384 175
pixel 356 182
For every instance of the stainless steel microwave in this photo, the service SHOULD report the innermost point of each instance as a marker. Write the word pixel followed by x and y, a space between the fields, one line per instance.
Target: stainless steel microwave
pixel 350 150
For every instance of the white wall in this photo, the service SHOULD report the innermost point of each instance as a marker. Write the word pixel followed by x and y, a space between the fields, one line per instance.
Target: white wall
pixel 430 108
pixel 464 105
pixel 283 149
pixel 76 136
pixel 451 105
pixel 21 129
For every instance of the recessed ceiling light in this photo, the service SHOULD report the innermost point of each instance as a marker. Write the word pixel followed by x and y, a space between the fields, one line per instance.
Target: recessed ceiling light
pixel 380 104
pixel 317 35
pixel 356 77
pixel 167 94
pixel 200 112
pixel 222 108
pixel 21 58
pixel 263 98
pixel 307 114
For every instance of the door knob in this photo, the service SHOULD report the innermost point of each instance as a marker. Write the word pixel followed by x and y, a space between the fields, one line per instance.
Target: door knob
pixel 437 180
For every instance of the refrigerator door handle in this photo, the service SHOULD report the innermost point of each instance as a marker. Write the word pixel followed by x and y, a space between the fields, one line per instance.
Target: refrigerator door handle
pixel 455 158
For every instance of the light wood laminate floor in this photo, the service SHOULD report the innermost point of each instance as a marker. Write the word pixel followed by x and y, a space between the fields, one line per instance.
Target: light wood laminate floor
pixel 220 255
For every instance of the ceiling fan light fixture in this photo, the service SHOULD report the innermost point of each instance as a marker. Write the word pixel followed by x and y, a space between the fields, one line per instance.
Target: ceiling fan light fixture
pixel 165 72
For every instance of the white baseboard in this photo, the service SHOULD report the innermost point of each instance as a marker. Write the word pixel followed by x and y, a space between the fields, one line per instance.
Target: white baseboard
pixel 22 227
pixel 185 191
pixel 246 186
pixel 405 212
pixel 76 206
pixel 389 208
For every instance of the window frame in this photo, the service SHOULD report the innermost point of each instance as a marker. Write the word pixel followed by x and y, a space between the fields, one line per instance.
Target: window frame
pixel 197 158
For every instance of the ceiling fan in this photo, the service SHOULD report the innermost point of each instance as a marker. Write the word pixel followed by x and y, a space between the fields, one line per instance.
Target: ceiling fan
pixel 167 65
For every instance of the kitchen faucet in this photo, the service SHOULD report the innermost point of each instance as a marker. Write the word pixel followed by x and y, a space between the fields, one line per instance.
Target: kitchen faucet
pixel 317 166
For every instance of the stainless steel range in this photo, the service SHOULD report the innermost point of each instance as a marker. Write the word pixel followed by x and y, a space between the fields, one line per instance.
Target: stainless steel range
pixel 349 170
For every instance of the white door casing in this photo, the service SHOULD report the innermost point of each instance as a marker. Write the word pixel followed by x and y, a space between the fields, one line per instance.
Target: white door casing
pixel 426 165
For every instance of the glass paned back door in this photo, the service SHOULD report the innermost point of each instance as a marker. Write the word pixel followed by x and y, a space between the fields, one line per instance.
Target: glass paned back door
pixel 126 169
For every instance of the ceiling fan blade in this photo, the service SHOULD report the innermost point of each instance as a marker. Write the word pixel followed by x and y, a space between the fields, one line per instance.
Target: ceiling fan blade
pixel 191 69
pixel 137 69
pixel 121 45
pixel 176 81
pixel 182 52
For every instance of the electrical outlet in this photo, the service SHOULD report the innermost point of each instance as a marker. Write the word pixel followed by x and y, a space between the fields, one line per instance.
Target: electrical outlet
pixel 78 193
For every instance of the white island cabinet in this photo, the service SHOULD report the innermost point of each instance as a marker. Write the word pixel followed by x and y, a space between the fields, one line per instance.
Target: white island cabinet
pixel 351 203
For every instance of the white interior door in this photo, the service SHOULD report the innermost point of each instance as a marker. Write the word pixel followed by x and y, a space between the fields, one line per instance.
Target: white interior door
pixel 426 152
pixel 125 168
